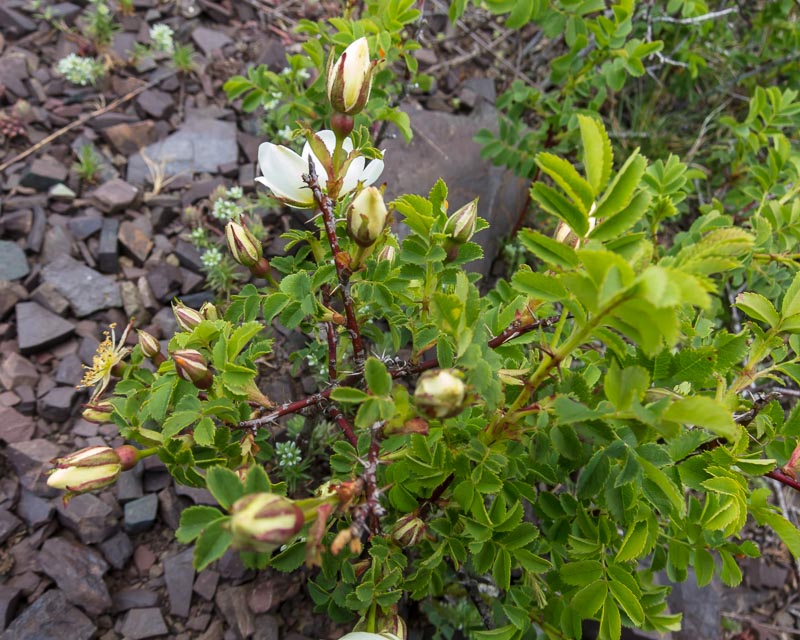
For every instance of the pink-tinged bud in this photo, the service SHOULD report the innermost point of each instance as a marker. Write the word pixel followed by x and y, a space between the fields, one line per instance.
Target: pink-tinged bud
pixel 89 469
pixel 349 79
pixel 186 317
pixel 148 344
pixel 264 521
pixel 440 393
pixel 209 311
pixel 793 465
pixel 243 245
pixel 192 366
pixel 98 412
pixel 460 226
pixel 366 217
pixel 387 253
pixel 408 530
pixel 128 456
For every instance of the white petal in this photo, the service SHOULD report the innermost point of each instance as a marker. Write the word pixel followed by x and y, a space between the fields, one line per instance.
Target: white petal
pixel 283 173
pixel 372 172
pixel 353 175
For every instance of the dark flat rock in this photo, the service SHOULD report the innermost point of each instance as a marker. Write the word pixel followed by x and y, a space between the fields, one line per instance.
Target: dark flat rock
pixel 14 426
pixel 200 144
pixel 9 600
pixel 30 460
pixel 88 517
pixel 35 511
pixel 179 576
pixel 144 623
pixel 128 137
pixel 9 525
pixel 117 549
pixel 13 263
pixel 87 290
pixel 56 405
pixel 78 571
pixel 38 328
pixel 140 514
pixel 44 173
pixel 114 195
pixel 51 617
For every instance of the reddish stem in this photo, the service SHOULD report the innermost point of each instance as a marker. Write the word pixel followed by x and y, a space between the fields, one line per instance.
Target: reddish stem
pixel 330 334
pixel 783 478
pixel 344 425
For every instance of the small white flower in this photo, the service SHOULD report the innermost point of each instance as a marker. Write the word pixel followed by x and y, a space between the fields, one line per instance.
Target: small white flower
pixel 303 75
pixel 198 235
pixel 283 171
pixel 161 36
pixel 211 258
pixel 286 133
pixel 79 70
pixel 288 453
pixel 226 210
pixel 234 193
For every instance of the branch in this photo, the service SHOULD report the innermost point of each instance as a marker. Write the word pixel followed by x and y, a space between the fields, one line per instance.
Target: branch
pixel 340 259
pixel 697 19
pixel 781 477
pixel 338 417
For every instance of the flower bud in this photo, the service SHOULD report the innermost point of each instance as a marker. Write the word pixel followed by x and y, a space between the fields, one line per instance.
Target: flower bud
pixel 89 469
pixel 792 466
pixel 350 78
pixel 243 245
pixel 148 344
pixel 364 635
pixel 186 317
pixel 460 226
pixel 366 217
pixel 440 393
pixel 209 311
pixel 408 530
pixel 264 521
pixel 98 412
pixel 191 366
pixel 387 253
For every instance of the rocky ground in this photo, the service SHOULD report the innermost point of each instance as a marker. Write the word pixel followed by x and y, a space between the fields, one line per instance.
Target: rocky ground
pixel 77 256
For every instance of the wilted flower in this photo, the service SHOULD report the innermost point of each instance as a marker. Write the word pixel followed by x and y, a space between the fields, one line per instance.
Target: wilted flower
pixel 109 354
pixel 440 393
pixel 366 217
pixel 350 78
pixel 264 521
pixel 283 171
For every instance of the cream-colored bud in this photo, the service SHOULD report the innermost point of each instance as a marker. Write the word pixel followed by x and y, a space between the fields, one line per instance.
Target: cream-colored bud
pixel 440 393
pixel 387 253
pixel 209 311
pixel 192 366
pixel 186 317
pixel 460 226
pixel 148 344
pixel 349 79
pixel 243 245
pixel 366 217
pixel 264 521
pixel 89 469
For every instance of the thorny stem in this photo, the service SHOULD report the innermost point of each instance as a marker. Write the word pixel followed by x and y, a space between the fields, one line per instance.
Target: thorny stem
pixel 330 334
pixel 338 417
pixel 325 205
pixel 781 477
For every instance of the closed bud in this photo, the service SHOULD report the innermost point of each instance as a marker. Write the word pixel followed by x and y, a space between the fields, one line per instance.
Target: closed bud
pixel 792 466
pixel 148 344
pixel 460 226
pixel 98 412
pixel 243 245
pixel 263 522
pixel 89 469
pixel 191 366
pixel 440 393
pixel 387 253
pixel 366 217
pixel 349 79
pixel 408 530
pixel 186 317
pixel 209 311
pixel 365 635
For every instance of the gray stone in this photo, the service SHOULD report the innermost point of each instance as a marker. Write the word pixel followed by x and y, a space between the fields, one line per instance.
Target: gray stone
pixel 232 603
pixel 155 103
pixel 31 460
pixel 165 281
pixel 70 370
pixel 58 241
pixel 36 236
pixel 444 147
pixel 136 243
pixel 86 289
pixel 188 255
pixel 129 485
pixel 56 405
pixel 165 321
pixel 84 226
pixel 179 576
pixel 201 144
pixel 9 524
pixel 49 297
pixel 62 192
pixel 196 494
pixel 78 571
pixel 144 623
pixel 10 294
pixel 15 427
pixel 51 617
pixel 14 22
pixel 38 328
pixel 140 514
pixel 9 600
pixel 210 40
pixel 17 224
pixel 88 517
pixel 114 195
pixel 44 173
pixel 132 303
pixel 35 511
pixel 107 251
pixel 117 549
pixel 134 599
pixel 206 584
pixel 13 263
pixel 16 371
pixel 267 628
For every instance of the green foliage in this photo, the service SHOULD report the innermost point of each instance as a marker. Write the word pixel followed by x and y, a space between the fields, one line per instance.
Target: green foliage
pixel 88 165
